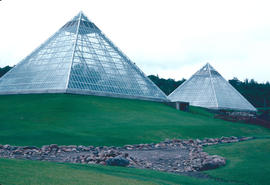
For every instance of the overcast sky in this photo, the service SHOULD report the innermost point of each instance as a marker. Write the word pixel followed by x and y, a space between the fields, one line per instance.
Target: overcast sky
pixel 171 38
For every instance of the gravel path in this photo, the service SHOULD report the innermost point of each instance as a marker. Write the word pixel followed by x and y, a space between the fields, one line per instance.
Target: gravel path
pixel 176 156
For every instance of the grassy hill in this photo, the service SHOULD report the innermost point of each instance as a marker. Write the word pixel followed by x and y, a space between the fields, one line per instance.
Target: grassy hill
pixel 23 172
pixel 90 120
pixel 247 162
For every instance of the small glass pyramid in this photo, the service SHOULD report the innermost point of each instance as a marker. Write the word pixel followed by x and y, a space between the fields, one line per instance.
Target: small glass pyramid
pixel 207 88
pixel 79 59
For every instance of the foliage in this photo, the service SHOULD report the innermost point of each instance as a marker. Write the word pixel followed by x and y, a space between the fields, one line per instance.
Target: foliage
pixel 247 162
pixel 257 93
pixel 166 85
pixel 4 70
pixel 40 119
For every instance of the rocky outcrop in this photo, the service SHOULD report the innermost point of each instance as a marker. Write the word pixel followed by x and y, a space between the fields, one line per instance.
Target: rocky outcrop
pixel 117 161
pixel 175 155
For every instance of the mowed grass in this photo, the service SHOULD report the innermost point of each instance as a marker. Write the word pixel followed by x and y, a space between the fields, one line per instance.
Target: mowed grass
pixel 247 162
pixel 37 172
pixel 90 120
pixel 67 119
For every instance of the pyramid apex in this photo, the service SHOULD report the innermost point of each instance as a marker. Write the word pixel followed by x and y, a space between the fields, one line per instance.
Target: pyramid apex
pixel 81 13
pixel 81 16
pixel 208 64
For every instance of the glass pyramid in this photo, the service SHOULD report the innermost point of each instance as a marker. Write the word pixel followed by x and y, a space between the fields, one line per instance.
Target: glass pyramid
pixel 80 59
pixel 207 88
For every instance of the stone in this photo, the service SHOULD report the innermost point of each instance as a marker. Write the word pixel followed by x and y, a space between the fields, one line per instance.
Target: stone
pixel 245 138
pixel 18 152
pixel 190 141
pixel 44 148
pixel 54 146
pixel 125 155
pixel 7 147
pixel 198 141
pixel 66 149
pixel 187 154
pixel 74 150
pixel 83 148
pixel 148 164
pixel 102 163
pixel 30 147
pixel 88 158
pixel 212 162
pixel 117 161
pixel 95 152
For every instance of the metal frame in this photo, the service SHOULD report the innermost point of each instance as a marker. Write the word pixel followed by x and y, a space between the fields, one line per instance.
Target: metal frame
pixel 80 59
pixel 208 89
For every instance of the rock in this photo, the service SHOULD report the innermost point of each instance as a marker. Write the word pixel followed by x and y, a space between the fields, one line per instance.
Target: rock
pixel 167 140
pixel 176 140
pixel 212 162
pixel 30 148
pixel 54 146
pixel 128 147
pixel 148 164
pixel 198 141
pixel 245 138
pixel 95 152
pixel 88 158
pixel 186 156
pixel 190 141
pixel 66 149
pixel 17 152
pixel 7 147
pixel 74 150
pixel 188 169
pixel 102 162
pixel 112 153
pixel 101 154
pixel 44 148
pixel 125 155
pixel 91 147
pixel 117 161
pixel 71 146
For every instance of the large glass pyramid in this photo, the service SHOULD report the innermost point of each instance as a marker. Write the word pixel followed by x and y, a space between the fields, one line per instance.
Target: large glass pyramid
pixel 207 88
pixel 80 59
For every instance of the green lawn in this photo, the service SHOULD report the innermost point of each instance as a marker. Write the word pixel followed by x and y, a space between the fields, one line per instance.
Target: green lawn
pixel 247 162
pixel 35 172
pixel 90 120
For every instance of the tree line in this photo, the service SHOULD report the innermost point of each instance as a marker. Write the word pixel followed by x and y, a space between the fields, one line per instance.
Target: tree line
pixel 256 93
pixel 4 70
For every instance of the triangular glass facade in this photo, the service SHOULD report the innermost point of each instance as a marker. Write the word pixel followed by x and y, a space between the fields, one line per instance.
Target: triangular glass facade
pixel 207 88
pixel 79 58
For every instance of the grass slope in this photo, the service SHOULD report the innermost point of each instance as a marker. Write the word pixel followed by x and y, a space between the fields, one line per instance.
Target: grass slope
pixel 90 120
pixel 36 172
pixel 247 162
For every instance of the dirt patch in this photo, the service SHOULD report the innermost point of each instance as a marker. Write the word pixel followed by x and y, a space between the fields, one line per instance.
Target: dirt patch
pixel 177 156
